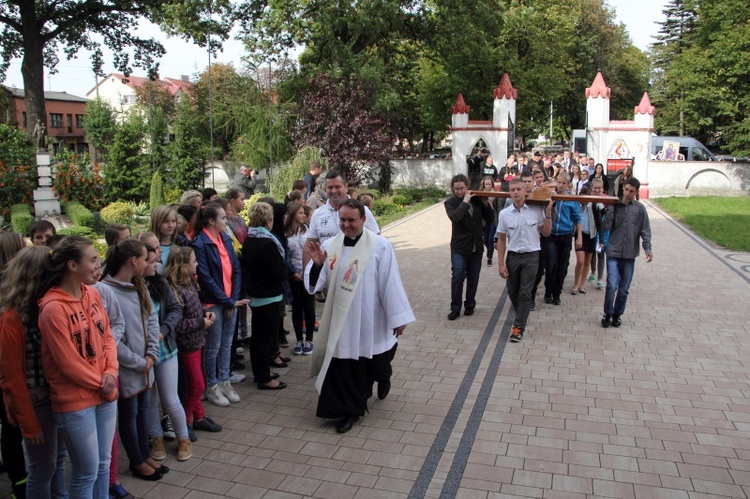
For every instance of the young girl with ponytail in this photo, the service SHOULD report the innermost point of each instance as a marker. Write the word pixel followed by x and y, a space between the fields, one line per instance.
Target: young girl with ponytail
pixel 80 363
pixel 137 351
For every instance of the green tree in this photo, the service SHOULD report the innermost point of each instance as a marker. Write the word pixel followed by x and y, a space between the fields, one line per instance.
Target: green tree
pixel 673 40
pixel 127 172
pixel 186 153
pixel 100 125
pixel 712 74
pixel 156 196
pixel 33 30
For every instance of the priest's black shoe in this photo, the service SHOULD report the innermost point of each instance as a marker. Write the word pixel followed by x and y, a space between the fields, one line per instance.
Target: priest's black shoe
pixel 453 316
pixel 383 388
pixel 346 424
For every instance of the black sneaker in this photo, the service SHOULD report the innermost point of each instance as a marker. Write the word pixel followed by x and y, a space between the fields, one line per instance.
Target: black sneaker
pixel 167 429
pixel 533 306
pixel 606 320
pixel 283 343
pixel 453 316
pixel 191 434
pixel 547 298
pixel 516 334
pixel 206 424
pixel 556 300
pixel 616 321
pixel 469 311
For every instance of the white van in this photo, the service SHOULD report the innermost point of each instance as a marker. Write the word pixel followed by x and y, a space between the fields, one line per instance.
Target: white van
pixel 679 149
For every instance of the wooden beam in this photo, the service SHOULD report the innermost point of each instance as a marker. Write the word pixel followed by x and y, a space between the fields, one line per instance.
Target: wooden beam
pixel 542 197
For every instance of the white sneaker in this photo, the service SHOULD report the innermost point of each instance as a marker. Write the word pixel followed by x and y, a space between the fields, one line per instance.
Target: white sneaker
pixel 228 391
pixel 236 378
pixel 215 396
pixel 240 350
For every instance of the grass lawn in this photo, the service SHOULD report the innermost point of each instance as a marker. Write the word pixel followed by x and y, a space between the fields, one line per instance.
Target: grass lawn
pixel 723 220
pixel 405 212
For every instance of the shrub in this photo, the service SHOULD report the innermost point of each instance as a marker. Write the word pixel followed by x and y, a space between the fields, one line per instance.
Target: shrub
pixel 119 212
pixel 172 196
pixel 285 175
pixel 16 150
pixel 157 191
pixel 17 183
pixel 415 195
pixel 248 203
pixel 79 214
pixel 77 180
pixel 141 209
pixel 20 218
pixel 87 232
pixel 384 206
pixel 402 200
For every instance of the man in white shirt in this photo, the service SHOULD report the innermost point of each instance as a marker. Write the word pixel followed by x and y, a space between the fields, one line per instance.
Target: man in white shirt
pixel 324 222
pixel 518 229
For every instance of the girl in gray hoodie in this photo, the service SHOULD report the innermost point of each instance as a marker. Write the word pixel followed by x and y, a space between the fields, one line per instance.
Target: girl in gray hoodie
pixel 137 351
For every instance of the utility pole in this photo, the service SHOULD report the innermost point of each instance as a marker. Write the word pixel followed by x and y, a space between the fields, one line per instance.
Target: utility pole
pixel 551 119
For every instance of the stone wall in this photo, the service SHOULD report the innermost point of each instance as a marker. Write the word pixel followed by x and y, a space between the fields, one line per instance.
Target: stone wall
pixel 422 173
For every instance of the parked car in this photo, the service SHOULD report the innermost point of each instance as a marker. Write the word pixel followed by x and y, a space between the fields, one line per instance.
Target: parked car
pixel 686 149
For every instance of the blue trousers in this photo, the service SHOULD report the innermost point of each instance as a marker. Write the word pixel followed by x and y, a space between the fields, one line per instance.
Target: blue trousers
pixel 619 276
pixel 465 268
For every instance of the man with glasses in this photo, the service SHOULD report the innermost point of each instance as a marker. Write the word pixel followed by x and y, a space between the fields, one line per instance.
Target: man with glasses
pixel 467 214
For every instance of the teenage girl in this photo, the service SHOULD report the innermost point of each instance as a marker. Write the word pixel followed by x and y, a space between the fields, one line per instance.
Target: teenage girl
pixel 220 281
pixel 169 312
pixel 190 334
pixel 164 225
pixel 488 184
pixel 25 388
pixel 80 363
pixel 303 303
pixel 137 352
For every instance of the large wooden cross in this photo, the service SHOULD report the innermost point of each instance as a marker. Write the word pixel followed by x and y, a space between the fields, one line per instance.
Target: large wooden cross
pixel 542 195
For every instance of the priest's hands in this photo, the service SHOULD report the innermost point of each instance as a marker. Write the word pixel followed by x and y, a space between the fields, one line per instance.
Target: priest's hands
pixel 399 331
pixel 315 252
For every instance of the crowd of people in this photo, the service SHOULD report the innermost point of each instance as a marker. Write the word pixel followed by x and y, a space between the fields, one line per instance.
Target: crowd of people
pixel 125 348
pixel 535 242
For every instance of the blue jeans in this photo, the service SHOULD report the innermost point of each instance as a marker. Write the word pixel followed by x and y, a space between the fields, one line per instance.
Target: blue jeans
pixel 465 267
pixel 46 462
pixel 166 384
pixel 217 355
pixel 88 435
pixel 619 276
pixel 489 239
pixel 134 427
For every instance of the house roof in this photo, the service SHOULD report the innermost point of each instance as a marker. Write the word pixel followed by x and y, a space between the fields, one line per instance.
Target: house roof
pixel 49 95
pixel 173 85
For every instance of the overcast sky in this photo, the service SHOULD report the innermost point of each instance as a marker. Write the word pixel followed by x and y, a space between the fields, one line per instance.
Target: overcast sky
pixel 183 58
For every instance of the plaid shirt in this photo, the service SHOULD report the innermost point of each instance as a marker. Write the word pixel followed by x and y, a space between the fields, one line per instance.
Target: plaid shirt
pixel 34 371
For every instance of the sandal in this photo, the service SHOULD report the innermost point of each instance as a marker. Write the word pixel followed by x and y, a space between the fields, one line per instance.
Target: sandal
pixel 582 290
pixel 573 291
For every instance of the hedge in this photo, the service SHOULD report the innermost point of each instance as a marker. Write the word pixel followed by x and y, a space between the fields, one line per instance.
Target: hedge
pixel 119 212
pixel 79 214
pixel 87 232
pixel 21 218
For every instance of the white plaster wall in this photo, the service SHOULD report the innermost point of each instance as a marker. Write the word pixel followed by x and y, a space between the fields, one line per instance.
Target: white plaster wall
pixel 690 178
pixel 112 90
pixel 423 173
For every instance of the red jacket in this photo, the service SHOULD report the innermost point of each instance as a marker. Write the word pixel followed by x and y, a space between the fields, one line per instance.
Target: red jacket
pixel 78 348
pixel 18 404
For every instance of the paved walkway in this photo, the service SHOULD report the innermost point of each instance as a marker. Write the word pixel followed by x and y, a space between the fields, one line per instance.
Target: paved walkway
pixel 657 408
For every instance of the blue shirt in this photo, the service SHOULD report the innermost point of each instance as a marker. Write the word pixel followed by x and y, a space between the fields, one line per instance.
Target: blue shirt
pixel 567 216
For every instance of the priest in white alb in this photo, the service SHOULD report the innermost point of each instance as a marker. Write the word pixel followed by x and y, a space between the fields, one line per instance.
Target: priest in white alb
pixel 366 311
